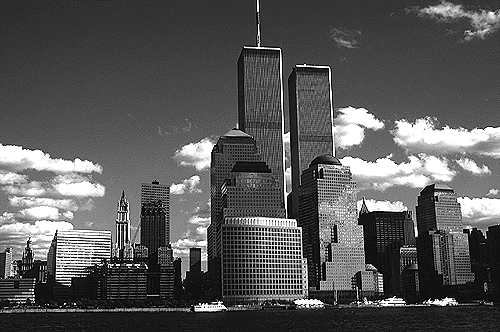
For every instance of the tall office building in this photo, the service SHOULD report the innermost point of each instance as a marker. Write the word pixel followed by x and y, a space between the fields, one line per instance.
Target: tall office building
pixel 333 240
pixel 6 263
pixel 235 145
pixel 493 244
pixel 260 105
pixel 442 247
pixel 385 232
pixel 195 260
pixel 155 215
pixel 123 247
pixel 311 121
pixel 478 256
pixel 71 253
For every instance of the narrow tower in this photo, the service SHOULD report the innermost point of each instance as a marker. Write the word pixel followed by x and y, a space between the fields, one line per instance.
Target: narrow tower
pixel 123 248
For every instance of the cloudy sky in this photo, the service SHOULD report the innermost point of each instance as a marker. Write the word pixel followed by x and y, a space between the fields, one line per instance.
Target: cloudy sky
pixel 97 97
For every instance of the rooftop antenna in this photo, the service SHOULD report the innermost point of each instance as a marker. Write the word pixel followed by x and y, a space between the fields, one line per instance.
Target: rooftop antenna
pixel 258 25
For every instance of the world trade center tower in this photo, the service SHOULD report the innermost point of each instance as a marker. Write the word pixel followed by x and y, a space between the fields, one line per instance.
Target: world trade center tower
pixel 260 105
pixel 311 122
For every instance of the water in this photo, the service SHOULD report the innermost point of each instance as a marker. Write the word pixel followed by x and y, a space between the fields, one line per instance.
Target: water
pixel 356 319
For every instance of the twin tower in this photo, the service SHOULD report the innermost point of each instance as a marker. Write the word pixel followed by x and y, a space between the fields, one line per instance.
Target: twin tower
pixel 254 252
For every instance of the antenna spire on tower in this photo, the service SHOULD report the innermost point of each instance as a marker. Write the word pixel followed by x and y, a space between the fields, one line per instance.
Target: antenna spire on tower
pixel 258 25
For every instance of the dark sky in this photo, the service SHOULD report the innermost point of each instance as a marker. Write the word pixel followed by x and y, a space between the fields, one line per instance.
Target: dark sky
pixel 142 89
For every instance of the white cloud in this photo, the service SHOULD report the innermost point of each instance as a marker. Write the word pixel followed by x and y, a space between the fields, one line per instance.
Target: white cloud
pixel 480 212
pixel 43 212
pixel 424 136
pixel 75 185
pixel 384 173
pixel 10 178
pixel 471 166
pixel 482 22
pixel 374 205
pixel 23 202
pixel 19 159
pixel 350 126
pixel 186 186
pixel 345 38
pixel 41 232
pixel 196 155
pixel 493 192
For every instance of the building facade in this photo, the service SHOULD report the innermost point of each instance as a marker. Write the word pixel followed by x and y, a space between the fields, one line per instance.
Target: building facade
pixel 151 194
pixel 122 249
pixel 6 270
pixel 260 105
pixel 332 239
pixel 385 232
pixel 261 260
pixel 311 121
pixel 443 248
pixel 71 253
pixel 18 290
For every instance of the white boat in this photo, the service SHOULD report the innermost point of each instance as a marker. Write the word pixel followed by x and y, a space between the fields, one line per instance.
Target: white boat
pixel 308 304
pixel 392 302
pixel 209 307
pixel 447 301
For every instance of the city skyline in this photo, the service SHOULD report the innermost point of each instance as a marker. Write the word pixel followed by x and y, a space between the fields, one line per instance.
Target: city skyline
pixel 144 92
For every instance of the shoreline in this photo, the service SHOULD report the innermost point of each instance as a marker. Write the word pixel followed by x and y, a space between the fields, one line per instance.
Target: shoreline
pixel 188 309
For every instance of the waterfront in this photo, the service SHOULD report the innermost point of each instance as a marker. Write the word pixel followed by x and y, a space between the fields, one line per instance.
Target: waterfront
pixel 477 318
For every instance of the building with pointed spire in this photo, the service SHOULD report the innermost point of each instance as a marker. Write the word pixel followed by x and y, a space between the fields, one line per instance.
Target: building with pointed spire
pixel 311 122
pixel 442 247
pixel 122 249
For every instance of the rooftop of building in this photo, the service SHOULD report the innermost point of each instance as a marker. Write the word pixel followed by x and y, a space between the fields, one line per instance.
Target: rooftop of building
pixel 235 132
pixel 251 167
pixel 325 160
pixel 436 187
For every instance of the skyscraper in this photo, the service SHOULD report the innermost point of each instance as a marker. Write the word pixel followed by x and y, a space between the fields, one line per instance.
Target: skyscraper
pixel 333 240
pixel 384 233
pixel 155 215
pixel 260 105
pixel 123 247
pixel 195 260
pixel 259 252
pixel 311 121
pixel 442 247
pixel 235 145
pixel 71 253
pixel 6 263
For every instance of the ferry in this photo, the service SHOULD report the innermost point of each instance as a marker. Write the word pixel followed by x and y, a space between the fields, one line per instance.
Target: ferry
pixel 447 301
pixel 392 302
pixel 308 304
pixel 217 306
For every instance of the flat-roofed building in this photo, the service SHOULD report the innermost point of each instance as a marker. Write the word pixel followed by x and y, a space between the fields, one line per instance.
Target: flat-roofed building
pixel 71 253
pixel 18 290
pixel 261 260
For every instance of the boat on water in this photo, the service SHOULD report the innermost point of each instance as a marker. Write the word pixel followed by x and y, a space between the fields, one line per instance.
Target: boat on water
pixel 308 304
pixel 392 302
pixel 217 306
pixel 444 302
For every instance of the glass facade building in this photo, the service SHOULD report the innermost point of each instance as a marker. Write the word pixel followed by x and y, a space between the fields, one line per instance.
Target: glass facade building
pixel 311 121
pixel 333 240
pixel 71 253
pixel 442 247
pixel 260 105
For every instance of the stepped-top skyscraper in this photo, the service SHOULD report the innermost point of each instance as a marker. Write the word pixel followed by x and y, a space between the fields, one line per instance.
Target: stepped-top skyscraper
pixel 122 248
pixel 443 248
pixel 260 105
pixel 333 240
pixel 311 121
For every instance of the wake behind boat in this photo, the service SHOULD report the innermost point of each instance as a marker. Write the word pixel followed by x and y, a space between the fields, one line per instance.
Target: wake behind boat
pixel 392 302
pixel 209 307
pixel 447 301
